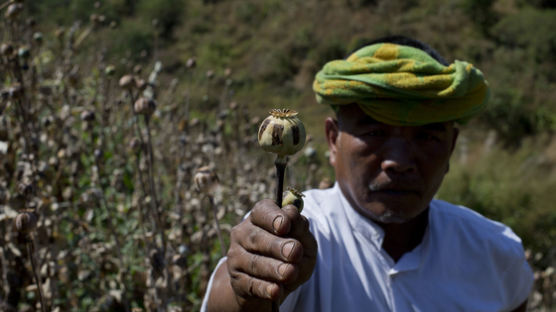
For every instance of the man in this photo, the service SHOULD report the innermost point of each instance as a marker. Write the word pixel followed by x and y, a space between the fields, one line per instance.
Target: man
pixel 384 243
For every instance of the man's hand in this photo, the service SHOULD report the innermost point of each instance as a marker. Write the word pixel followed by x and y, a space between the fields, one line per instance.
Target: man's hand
pixel 271 253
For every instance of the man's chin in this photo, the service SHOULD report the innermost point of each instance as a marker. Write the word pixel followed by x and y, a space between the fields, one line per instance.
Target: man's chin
pixel 386 216
pixel 390 218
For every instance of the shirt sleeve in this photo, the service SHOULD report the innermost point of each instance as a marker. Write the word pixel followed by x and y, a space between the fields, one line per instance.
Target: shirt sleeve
pixel 518 280
pixel 288 305
pixel 209 286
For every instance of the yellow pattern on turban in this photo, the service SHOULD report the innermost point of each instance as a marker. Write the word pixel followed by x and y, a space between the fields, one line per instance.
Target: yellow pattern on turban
pixel 404 86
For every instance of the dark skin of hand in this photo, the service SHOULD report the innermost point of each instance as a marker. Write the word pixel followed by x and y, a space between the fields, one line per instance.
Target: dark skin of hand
pixel 271 253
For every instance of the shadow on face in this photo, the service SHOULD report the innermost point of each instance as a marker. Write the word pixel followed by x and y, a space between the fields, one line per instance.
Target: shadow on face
pixel 388 173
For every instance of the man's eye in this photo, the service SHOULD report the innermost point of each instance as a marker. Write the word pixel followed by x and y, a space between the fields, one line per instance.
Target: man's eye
pixel 428 136
pixel 374 133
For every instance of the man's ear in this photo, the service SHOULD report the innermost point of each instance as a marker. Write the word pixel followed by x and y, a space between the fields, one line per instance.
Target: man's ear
pixel 332 132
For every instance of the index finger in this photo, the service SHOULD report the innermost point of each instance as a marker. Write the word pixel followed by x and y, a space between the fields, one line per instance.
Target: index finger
pixel 267 215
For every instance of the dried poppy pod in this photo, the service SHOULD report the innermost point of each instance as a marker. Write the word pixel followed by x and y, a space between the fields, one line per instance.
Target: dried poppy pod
pixel 6 49
pixel 87 115
pixel 144 106
pixel 13 10
pixel 127 82
pixel 25 222
pixel 293 197
pixel 141 84
pixel 60 32
pixel 37 37
pixel 282 133
pixel 135 145
pixel 15 91
pixel 191 62
pixel 110 70
pixel 24 52
pixel 205 179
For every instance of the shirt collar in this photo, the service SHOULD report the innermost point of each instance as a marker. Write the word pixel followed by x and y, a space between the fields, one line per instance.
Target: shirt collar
pixel 372 232
pixel 360 224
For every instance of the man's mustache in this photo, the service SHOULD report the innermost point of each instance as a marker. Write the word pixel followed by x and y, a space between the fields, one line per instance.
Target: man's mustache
pixel 408 185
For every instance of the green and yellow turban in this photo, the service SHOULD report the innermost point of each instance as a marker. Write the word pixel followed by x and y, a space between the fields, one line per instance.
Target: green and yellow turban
pixel 404 86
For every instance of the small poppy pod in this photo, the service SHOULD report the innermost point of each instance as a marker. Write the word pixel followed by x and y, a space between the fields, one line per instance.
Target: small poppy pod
pixel 59 33
pixel 293 197
pixel 282 133
pixel 137 69
pixel 205 179
pixel 233 105
pixel 135 145
pixel 15 91
pixel 98 153
pixel 191 63
pixel 127 82
pixel 25 222
pixel 109 70
pixel 6 49
pixel 93 18
pixel 87 115
pixel 31 22
pixel 144 106
pixel 37 37
pixel 141 84
pixel 24 52
pixel 13 10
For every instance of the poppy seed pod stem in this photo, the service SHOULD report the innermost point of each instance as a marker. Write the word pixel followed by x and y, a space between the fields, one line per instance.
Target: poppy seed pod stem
pixel 281 162
pixel 31 254
pixel 218 231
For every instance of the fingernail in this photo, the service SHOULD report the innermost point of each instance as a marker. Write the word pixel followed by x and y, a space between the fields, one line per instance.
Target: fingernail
pixel 282 269
pixel 287 249
pixel 277 223
pixel 269 291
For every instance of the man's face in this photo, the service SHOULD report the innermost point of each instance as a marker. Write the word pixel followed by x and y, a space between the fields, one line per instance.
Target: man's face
pixel 388 173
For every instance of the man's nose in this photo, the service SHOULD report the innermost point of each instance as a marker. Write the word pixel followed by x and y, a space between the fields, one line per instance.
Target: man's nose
pixel 398 156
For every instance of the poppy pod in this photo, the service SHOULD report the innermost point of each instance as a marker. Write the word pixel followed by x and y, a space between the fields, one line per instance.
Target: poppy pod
pixel 13 10
pixel 293 197
pixel 127 82
pixel 144 106
pixel 37 37
pixel 110 70
pixel 25 222
pixel 87 115
pixel 205 179
pixel 282 133
pixel 6 49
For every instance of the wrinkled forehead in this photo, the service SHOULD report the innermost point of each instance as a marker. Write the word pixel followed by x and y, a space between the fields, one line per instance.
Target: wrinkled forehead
pixel 351 117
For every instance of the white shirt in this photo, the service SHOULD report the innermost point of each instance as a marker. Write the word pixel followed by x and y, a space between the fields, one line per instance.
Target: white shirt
pixel 465 262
